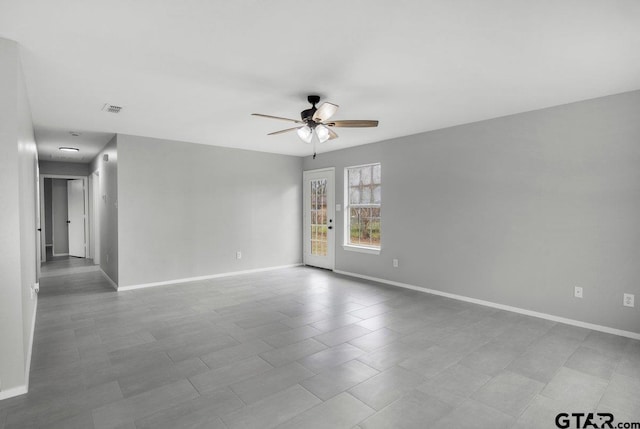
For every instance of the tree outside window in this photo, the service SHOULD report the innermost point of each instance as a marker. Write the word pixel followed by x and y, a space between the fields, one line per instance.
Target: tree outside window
pixel 364 188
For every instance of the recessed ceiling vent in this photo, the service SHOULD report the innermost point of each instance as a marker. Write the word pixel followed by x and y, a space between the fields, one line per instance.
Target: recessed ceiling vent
pixel 111 108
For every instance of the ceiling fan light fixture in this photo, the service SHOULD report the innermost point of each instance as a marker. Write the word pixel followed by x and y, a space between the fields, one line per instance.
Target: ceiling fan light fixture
pixel 322 132
pixel 305 133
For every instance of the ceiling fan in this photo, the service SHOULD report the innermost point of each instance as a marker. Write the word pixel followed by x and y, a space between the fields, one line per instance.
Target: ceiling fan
pixel 316 120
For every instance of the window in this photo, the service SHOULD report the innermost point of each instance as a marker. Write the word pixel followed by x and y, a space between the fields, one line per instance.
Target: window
pixel 362 206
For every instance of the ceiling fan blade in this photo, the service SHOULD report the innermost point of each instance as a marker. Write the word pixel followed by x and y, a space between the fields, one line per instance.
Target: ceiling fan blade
pixel 325 111
pixel 332 134
pixel 277 117
pixel 353 124
pixel 282 131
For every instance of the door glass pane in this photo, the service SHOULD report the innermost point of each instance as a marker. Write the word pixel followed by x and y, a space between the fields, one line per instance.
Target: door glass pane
pixel 319 217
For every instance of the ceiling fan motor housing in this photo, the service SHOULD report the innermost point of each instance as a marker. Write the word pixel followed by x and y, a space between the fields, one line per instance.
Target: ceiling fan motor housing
pixel 307 115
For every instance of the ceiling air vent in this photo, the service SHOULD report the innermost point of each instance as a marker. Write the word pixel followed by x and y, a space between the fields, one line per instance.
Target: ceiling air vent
pixel 111 108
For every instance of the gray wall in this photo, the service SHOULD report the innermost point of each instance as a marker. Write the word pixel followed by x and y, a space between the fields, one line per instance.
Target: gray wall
pixel 59 211
pixel 108 207
pixel 48 211
pixel 64 168
pixel 185 209
pixel 515 210
pixel 18 253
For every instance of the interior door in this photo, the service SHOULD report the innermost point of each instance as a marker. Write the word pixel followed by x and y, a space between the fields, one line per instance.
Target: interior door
pixel 319 218
pixel 76 218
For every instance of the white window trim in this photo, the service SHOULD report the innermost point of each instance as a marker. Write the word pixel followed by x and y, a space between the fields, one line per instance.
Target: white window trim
pixel 347 207
pixel 362 249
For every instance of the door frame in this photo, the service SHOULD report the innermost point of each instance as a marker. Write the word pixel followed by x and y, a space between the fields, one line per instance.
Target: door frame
pixel 93 251
pixel 43 223
pixel 331 207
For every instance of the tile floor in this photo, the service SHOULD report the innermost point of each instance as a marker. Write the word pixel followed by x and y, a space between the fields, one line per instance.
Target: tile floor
pixel 61 265
pixel 305 348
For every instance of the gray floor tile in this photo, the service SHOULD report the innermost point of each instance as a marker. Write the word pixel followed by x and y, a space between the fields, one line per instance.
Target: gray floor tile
pixel 143 381
pixel 331 357
pixel 376 339
pixel 630 364
pixel 457 380
pixel 292 352
pixel 542 413
pixel 199 412
pixel 291 336
pixel 555 344
pixel 416 410
pixel 609 344
pixel 463 342
pixel 386 387
pixel 541 366
pixel 432 361
pixel 127 410
pixel 237 353
pixel 394 353
pixel 272 410
pixel 306 319
pixel 233 373
pixel 202 347
pixel 342 335
pixel 593 362
pixel 583 391
pixel 569 331
pixel 622 394
pixel 80 421
pixel 332 323
pixel 474 415
pixel 342 411
pixel 270 382
pixel 371 311
pixel 490 358
pixel 509 392
pixel 333 381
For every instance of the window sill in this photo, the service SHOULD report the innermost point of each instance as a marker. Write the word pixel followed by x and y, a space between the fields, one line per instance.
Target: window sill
pixel 361 249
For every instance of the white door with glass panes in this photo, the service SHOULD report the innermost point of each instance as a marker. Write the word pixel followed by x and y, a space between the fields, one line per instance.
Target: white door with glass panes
pixel 319 218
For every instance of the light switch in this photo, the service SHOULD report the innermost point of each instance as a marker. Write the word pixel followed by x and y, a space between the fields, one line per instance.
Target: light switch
pixel 338 207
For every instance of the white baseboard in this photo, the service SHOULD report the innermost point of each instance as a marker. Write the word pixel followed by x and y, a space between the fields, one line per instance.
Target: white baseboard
pixel 14 391
pixel 212 276
pixel 111 282
pixel 526 312
pixel 60 254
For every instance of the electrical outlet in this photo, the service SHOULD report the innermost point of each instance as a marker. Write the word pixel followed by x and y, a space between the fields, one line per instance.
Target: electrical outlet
pixel 395 263
pixel 629 300
pixel 577 292
pixel 238 255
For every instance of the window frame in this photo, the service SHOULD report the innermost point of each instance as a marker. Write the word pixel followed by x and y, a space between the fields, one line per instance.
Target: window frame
pixel 373 250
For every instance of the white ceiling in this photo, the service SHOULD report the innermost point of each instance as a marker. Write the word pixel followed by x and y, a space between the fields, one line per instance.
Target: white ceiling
pixel 195 70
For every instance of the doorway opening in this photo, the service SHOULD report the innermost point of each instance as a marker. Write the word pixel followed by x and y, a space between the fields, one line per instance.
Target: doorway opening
pixel 65 211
